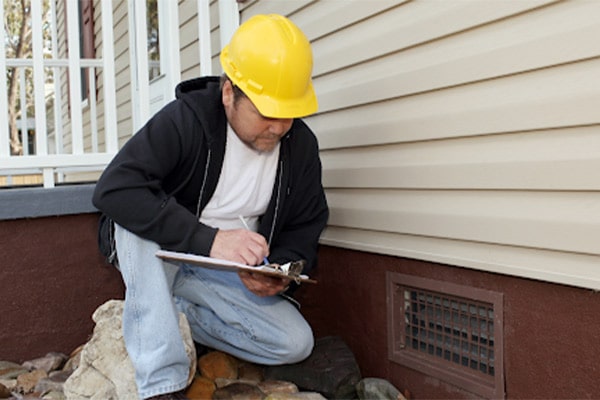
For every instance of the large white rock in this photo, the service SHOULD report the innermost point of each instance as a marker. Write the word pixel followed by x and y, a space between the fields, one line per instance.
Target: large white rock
pixel 105 371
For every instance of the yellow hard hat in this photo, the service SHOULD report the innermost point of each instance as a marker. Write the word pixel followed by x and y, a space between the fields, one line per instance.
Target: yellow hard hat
pixel 270 60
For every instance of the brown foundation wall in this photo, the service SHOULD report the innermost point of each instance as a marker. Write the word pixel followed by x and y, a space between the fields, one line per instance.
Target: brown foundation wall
pixel 52 278
pixel 551 332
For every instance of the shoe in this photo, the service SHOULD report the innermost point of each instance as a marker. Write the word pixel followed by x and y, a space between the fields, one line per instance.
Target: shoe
pixel 170 396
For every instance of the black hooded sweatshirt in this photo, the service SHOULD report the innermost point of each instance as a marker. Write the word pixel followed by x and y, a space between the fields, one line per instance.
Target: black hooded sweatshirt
pixel 163 177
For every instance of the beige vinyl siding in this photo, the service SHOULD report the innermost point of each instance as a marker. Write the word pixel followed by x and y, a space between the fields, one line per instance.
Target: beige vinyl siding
pixel 460 132
pixel 188 36
pixel 188 40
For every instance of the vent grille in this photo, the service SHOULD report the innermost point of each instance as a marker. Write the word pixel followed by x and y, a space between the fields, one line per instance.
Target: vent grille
pixel 448 331
pixel 454 329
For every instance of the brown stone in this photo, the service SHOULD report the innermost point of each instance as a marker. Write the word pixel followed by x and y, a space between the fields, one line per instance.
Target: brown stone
pixel 26 382
pixel 201 388
pixel 295 396
pixel 54 382
pixel 238 391
pixel 4 392
pixel 217 364
pixel 250 372
pixel 222 382
pixel 50 362
pixel 74 359
pixel 30 396
pixel 12 373
pixel 281 387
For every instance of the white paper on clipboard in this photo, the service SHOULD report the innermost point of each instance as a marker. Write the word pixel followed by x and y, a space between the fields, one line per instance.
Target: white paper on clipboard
pixel 216 263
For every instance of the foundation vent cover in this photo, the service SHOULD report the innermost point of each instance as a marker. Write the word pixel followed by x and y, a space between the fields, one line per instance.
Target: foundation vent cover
pixel 447 331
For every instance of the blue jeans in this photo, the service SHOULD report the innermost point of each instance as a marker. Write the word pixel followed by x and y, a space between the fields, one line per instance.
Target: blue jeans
pixel 222 314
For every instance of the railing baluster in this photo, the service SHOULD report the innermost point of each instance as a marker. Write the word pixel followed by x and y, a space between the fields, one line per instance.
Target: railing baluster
pixel 58 126
pixel 41 147
pixel 4 131
pixel 74 77
pixel 110 108
pixel 22 122
pixel 93 112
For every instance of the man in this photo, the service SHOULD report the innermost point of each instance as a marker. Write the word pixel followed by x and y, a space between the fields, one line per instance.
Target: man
pixel 227 152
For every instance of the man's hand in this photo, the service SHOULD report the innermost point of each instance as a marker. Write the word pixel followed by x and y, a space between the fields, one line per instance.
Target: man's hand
pixel 250 248
pixel 262 285
pixel 240 245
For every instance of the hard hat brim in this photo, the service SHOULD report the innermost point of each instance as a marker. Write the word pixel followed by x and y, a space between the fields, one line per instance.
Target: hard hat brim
pixel 284 108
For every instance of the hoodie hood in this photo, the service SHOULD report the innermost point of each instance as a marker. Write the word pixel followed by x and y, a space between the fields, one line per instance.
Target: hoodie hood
pixel 197 84
pixel 203 97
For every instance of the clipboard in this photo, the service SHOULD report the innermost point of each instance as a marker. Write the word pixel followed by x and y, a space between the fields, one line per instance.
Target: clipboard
pixel 286 271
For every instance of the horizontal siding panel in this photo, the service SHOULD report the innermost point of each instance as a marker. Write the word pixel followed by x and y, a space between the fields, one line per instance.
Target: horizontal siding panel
pixel 493 51
pixel 558 159
pixel 525 175
pixel 409 25
pixel 544 220
pixel 324 17
pixel 188 33
pixel 564 96
pixel 286 7
pixel 190 67
pixel 553 266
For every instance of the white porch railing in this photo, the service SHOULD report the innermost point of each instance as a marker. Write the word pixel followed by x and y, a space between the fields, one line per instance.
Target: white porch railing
pixel 55 152
pixel 71 135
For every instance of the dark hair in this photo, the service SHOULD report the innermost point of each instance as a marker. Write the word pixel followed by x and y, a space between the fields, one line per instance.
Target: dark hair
pixel 237 92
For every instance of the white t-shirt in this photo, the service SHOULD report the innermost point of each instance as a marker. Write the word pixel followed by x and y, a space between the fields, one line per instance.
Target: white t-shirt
pixel 244 188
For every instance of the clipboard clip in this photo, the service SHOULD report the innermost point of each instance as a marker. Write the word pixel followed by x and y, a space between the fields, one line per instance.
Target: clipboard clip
pixel 291 269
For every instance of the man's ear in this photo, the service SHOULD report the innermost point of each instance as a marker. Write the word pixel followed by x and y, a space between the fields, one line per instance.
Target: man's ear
pixel 227 93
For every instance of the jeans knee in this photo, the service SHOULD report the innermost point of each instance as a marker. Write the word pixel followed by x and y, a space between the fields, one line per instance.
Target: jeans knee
pixel 297 348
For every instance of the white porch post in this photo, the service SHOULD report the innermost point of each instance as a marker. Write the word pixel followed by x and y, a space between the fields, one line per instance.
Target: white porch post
pixel 170 58
pixel 204 43
pixel 229 20
pixel 111 136
pixel 138 56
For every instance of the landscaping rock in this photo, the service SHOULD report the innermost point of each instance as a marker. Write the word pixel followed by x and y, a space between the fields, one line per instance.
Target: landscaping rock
pixel 4 392
pixel 331 370
pixel 280 387
pixel 201 388
pixel 377 389
pixel 296 396
pixel 238 391
pixel 50 362
pixel 105 370
pixel 27 382
pixel 10 370
pixel 250 372
pixel 216 364
pixel 54 382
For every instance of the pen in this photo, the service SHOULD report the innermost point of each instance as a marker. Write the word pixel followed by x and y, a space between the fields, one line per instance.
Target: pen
pixel 265 260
